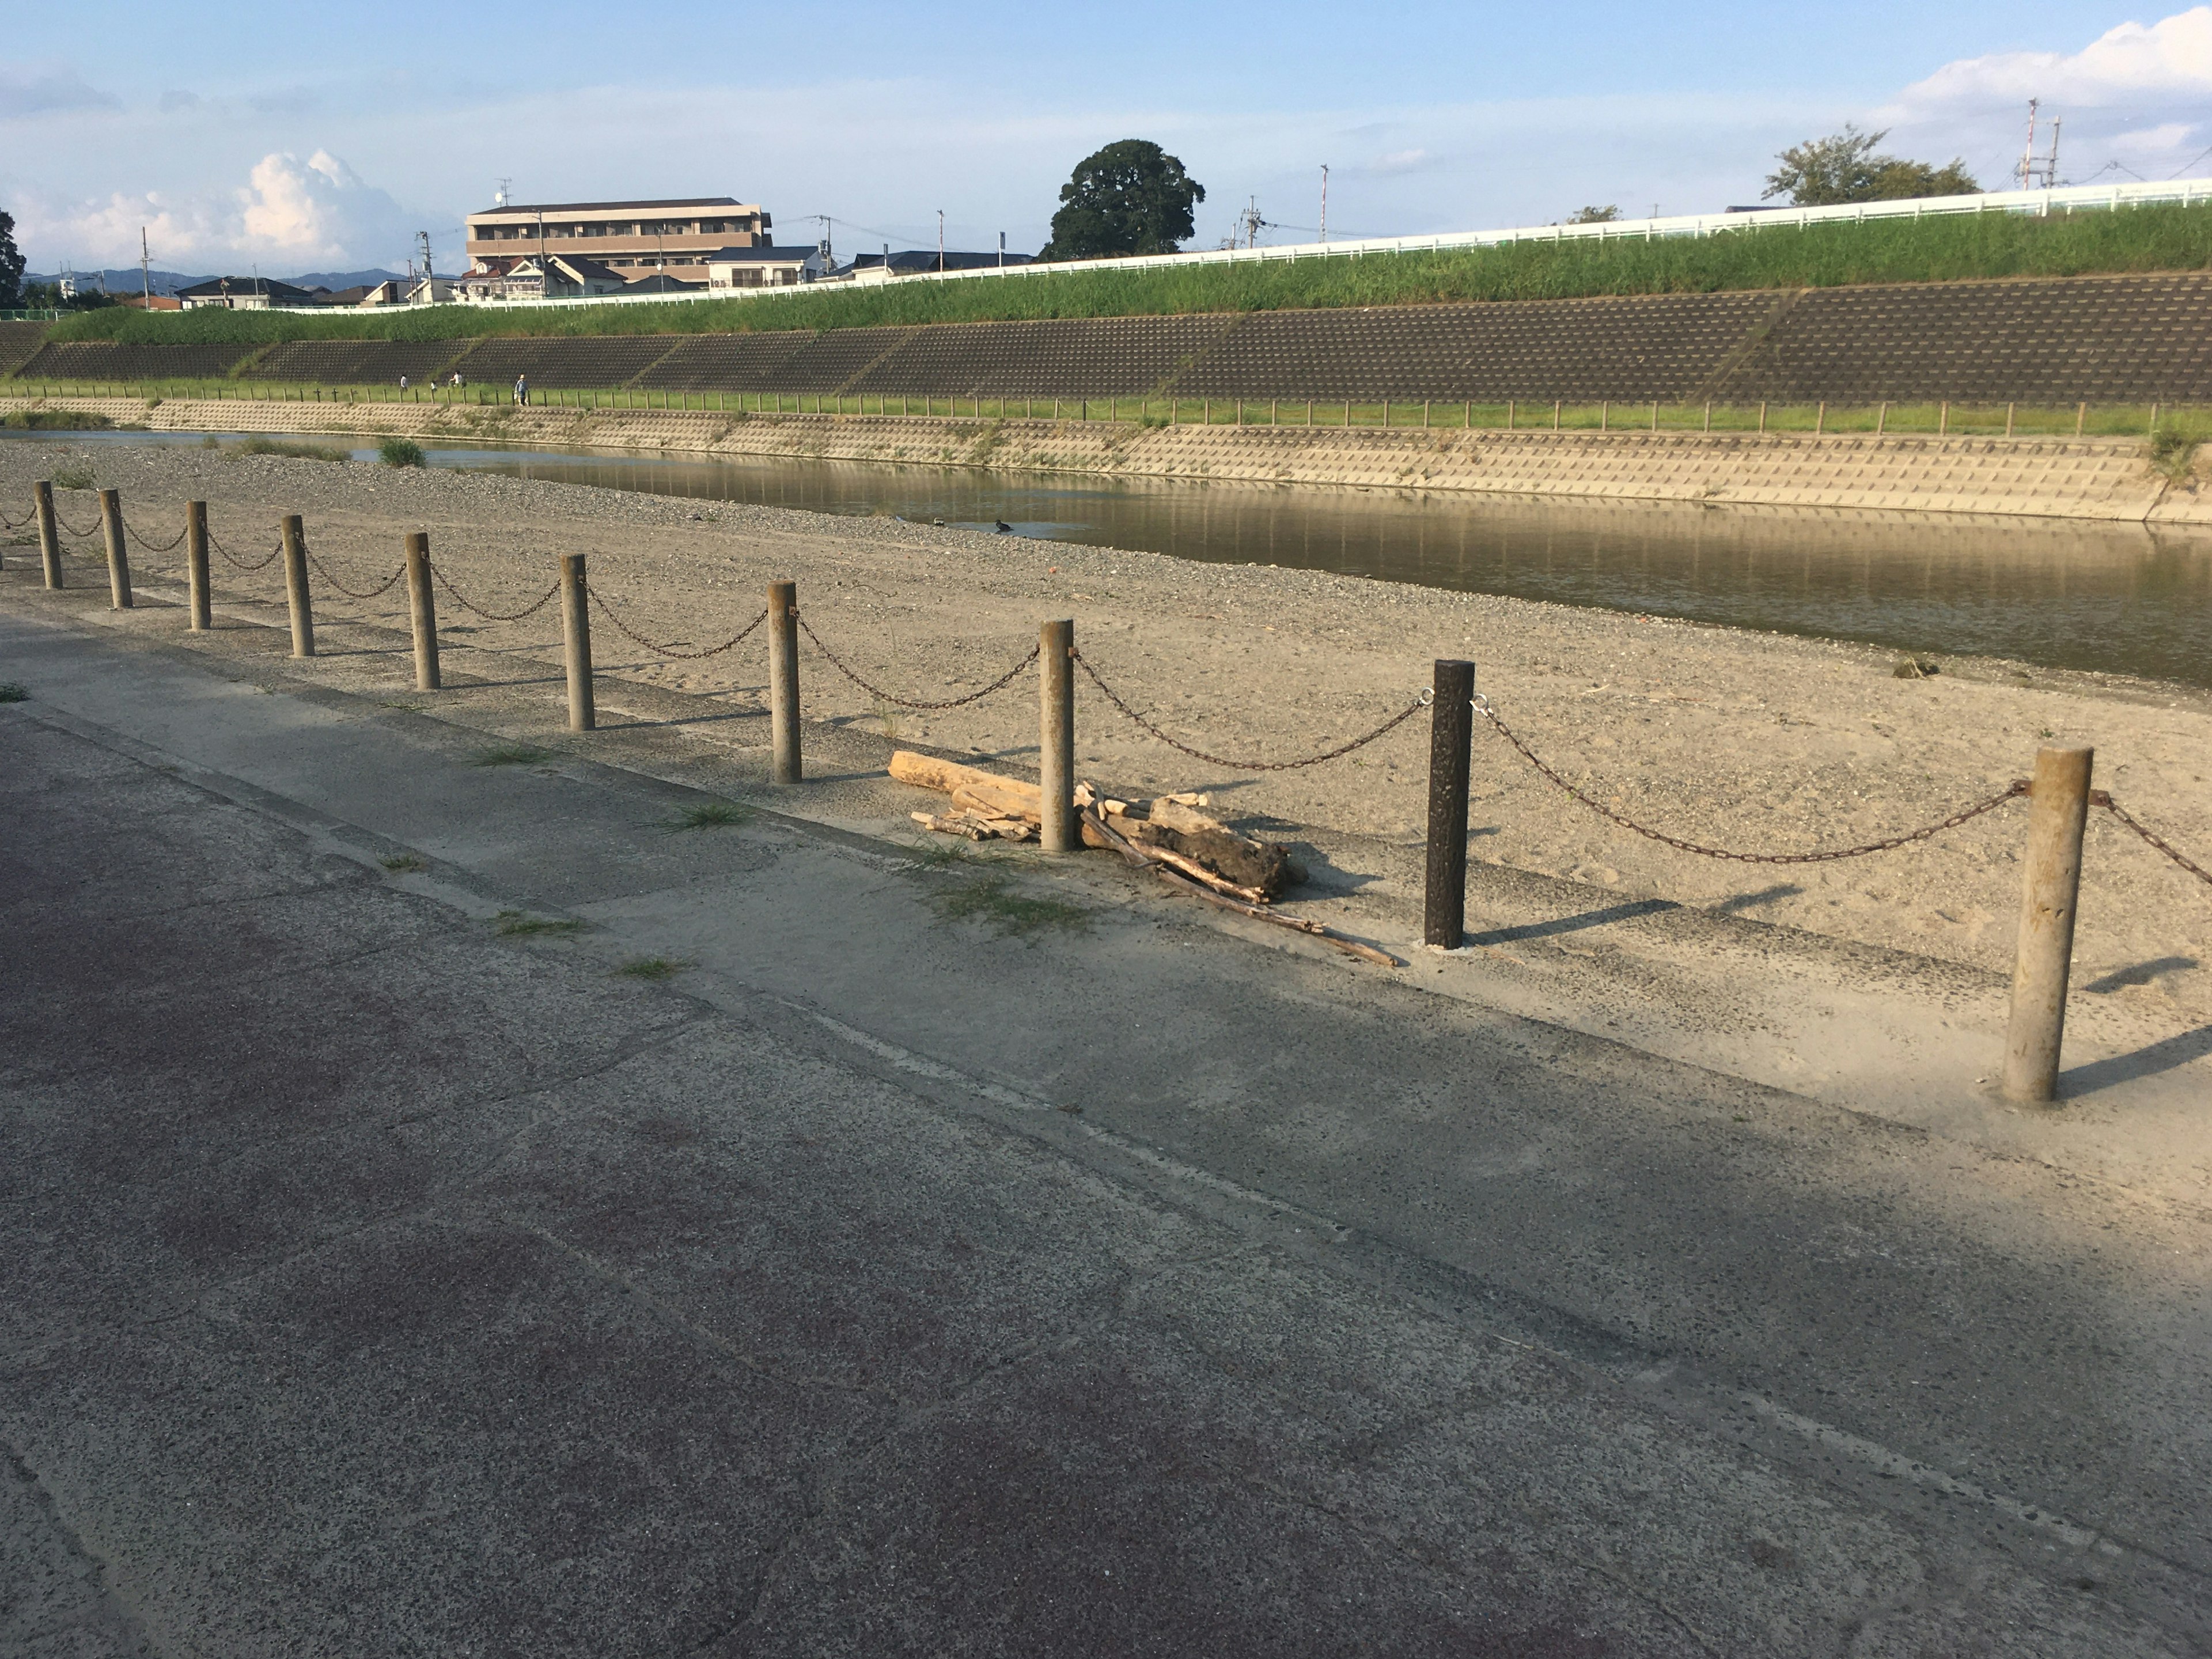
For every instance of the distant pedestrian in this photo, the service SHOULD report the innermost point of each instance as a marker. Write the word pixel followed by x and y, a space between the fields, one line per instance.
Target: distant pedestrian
pixel 403 383
pixel 522 389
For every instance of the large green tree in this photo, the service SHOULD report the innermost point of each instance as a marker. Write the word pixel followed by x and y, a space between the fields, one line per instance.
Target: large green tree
pixel 11 266
pixel 1847 167
pixel 1129 197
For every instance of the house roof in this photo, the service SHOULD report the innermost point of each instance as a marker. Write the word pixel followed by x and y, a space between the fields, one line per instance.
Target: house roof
pixel 920 258
pixel 612 206
pixel 574 263
pixel 267 286
pixel 661 282
pixel 761 254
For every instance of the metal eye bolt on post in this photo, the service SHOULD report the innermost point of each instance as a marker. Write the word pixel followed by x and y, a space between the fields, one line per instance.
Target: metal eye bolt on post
pixel 295 587
pixel 200 611
pixel 783 679
pixel 1451 754
pixel 422 611
pixel 576 643
pixel 119 557
pixel 2051 887
pixel 1056 737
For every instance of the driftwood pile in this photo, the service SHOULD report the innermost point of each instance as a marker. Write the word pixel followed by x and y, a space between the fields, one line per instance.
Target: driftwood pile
pixel 1169 834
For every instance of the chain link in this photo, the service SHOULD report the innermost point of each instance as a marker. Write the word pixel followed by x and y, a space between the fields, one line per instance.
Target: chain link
pixel 2098 798
pixel 1337 753
pixel 531 609
pixel 2017 787
pixel 376 592
pixel 169 546
pixel 82 535
pixel 658 649
pixel 7 523
pixel 274 553
pixel 999 684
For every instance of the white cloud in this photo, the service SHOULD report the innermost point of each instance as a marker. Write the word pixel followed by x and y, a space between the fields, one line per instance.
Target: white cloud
pixel 292 215
pixel 27 92
pixel 2169 58
pixel 1400 161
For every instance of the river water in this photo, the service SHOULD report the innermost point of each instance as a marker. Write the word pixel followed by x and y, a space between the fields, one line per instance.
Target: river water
pixel 2107 597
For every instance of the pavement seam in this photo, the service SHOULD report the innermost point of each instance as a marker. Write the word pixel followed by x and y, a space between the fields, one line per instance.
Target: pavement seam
pixel 109 1608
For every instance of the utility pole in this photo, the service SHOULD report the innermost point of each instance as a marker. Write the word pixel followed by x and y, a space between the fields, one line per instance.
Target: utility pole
pixel 1002 250
pixel 428 290
pixel 940 239
pixel 1324 201
pixel 2026 171
pixel 145 272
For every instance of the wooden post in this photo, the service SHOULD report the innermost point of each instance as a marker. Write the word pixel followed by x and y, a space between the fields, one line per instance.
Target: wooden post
pixel 1881 420
pixel 1604 414
pixel 1056 737
pixel 1555 414
pixel 1451 748
pixel 2058 808
pixel 2081 418
pixel 1762 418
pixel 783 679
pixel 1820 420
pixel 199 607
pixel 2009 410
pixel 119 555
pixel 1508 414
pixel 1942 419
pixel 295 587
pixel 1708 415
pixel 422 611
pixel 576 643
pixel 50 540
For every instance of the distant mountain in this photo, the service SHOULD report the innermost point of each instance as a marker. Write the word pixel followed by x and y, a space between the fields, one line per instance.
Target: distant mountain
pixel 169 281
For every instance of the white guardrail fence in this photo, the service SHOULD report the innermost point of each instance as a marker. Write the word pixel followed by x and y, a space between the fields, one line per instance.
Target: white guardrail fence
pixel 2033 203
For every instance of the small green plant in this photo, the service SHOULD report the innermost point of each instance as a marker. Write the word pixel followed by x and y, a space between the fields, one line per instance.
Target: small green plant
pixel 508 754
pixel 887 715
pixel 2173 446
pixel 14 691
pixel 521 924
pixel 651 968
pixel 210 442
pixel 54 420
pixel 294 452
pixel 401 452
pixel 401 863
pixel 709 815
pixel 1007 913
pixel 73 477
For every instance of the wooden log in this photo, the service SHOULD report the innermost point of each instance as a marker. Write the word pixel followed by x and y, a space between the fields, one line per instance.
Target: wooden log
pixel 1000 797
pixel 927 772
pixel 1260 868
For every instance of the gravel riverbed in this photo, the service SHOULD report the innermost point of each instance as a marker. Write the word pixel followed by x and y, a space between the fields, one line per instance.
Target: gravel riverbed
pixel 1759 743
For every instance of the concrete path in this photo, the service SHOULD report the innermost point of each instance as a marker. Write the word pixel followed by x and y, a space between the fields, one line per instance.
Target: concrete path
pixel 963 1257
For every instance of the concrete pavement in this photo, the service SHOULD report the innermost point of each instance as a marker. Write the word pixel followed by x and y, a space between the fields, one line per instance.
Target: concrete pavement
pixel 977 1256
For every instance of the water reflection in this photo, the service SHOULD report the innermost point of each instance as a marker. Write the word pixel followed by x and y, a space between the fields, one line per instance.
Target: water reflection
pixel 2116 598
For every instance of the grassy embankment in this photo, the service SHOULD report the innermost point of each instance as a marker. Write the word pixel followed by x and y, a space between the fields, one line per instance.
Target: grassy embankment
pixel 1761 256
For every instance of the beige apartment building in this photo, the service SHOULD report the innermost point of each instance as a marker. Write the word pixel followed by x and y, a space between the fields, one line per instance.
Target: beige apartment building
pixel 633 239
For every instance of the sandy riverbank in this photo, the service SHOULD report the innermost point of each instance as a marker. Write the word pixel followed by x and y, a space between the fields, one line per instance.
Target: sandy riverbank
pixel 1755 742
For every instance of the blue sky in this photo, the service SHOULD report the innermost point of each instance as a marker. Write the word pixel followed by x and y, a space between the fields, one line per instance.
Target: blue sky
pixel 325 140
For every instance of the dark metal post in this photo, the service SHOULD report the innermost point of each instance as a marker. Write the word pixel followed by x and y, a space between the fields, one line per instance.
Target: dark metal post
pixel 1451 752
pixel 1056 737
pixel 295 587
pixel 422 611
pixel 576 640
pixel 119 555
pixel 50 539
pixel 199 607
pixel 783 679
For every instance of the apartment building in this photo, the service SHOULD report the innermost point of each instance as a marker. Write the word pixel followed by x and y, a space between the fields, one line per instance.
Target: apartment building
pixel 632 238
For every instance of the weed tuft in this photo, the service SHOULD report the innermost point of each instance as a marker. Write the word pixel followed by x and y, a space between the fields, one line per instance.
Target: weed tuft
pixel 14 691
pixel 54 420
pixel 521 924
pixel 709 815
pixel 401 452
pixel 293 452
pixel 72 478
pixel 652 968
pixel 401 863
pixel 509 754
pixel 1006 912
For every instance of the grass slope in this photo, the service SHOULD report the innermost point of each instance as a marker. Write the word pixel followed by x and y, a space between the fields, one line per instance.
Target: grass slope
pixel 2156 238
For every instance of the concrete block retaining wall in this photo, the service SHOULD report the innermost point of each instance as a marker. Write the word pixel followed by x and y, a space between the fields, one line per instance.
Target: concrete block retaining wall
pixel 2101 479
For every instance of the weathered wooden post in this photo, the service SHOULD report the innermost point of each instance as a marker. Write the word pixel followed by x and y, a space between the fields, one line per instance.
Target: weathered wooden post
pixel 199 607
pixel 1451 753
pixel 119 555
pixel 295 587
pixel 50 540
pixel 2051 887
pixel 576 643
pixel 1056 737
pixel 783 679
pixel 422 611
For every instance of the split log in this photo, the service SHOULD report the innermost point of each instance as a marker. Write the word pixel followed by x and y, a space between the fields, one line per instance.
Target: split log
pixel 1260 868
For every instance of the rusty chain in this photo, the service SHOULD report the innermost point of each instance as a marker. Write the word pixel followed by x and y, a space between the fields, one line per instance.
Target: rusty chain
pixel 376 592
pixel 7 523
pixel 274 553
pixel 999 684
pixel 534 606
pixel 658 649
pixel 2017 787
pixel 1337 753
pixel 169 546
pixel 82 535
pixel 2098 798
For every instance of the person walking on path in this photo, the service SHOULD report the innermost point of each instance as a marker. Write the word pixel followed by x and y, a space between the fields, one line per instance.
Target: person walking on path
pixel 522 389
